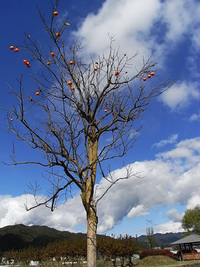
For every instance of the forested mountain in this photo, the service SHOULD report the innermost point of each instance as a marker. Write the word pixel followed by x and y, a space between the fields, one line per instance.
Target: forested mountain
pixel 162 240
pixel 21 236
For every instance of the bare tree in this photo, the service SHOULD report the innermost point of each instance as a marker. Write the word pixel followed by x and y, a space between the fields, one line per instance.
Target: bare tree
pixel 82 102
pixel 150 237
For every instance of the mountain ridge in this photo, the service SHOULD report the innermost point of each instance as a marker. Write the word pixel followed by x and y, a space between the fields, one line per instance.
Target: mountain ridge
pixel 162 240
pixel 20 236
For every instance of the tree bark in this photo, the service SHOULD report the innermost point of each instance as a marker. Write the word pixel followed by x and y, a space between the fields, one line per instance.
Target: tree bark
pixel 89 203
pixel 92 221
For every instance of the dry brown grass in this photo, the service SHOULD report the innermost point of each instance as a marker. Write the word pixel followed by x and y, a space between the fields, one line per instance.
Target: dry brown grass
pixel 160 261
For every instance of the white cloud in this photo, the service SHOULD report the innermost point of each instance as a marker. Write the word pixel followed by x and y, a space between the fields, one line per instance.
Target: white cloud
pixel 195 117
pixel 169 227
pixel 126 20
pixel 170 179
pixel 137 211
pixel 193 201
pixel 185 155
pixel 146 27
pixel 177 15
pixel 132 21
pixel 174 215
pixel 65 217
pixel 187 186
pixel 172 139
pixel 196 38
pixel 180 95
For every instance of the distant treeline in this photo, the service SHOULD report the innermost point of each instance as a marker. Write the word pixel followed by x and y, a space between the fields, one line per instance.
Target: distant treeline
pixel 74 249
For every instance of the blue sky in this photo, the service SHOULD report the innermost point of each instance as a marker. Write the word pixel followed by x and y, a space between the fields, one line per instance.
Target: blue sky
pixel 166 152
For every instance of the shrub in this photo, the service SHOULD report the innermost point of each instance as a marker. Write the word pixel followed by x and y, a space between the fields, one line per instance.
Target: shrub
pixel 155 252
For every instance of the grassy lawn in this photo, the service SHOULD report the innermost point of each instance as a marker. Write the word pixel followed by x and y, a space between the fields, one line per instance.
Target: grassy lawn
pixel 155 261
pixel 160 261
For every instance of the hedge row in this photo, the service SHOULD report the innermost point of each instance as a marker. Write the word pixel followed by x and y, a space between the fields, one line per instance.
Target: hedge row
pixel 154 252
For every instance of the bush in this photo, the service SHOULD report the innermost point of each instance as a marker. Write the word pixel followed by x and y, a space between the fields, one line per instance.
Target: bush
pixel 155 252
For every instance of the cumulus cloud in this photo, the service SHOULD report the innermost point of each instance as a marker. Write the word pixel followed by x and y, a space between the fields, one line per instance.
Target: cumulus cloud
pixel 174 215
pixel 186 186
pixel 193 201
pixel 180 95
pixel 147 27
pixel 172 139
pixel 65 217
pixel 137 212
pixel 135 196
pixel 127 21
pixel 177 14
pixel 168 180
pixel 141 26
pixel 185 154
pixel 169 227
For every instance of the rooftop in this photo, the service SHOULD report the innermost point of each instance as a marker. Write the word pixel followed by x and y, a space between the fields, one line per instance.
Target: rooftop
pixel 191 239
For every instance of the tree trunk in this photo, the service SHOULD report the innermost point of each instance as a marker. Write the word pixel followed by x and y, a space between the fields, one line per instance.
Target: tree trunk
pixel 122 261
pixel 91 237
pixel 114 262
pixel 130 261
pixel 89 204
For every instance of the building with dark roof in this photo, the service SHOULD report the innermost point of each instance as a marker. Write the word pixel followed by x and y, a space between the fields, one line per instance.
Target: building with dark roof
pixel 187 246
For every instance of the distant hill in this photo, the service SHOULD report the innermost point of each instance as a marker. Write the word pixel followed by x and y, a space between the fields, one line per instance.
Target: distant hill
pixel 162 240
pixel 20 236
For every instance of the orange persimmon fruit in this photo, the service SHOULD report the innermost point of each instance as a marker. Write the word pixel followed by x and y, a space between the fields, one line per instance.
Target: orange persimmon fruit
pixel 152 73
pixel 11 47
pixel 71 62
pixel 37 93
pixel 16 50
pixel 57 34
pixel 116 73
pixel 52 54
pixel 48 63
pixel 69 83
pixel 72 88
pixel 28 64
pixel 95 68
pixel 149 76
pixel 12 119
pixel 144 79
pixel 25 61
pixel 55 13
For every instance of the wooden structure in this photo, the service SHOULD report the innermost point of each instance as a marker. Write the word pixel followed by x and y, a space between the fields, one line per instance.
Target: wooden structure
pixel 187 249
